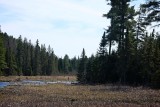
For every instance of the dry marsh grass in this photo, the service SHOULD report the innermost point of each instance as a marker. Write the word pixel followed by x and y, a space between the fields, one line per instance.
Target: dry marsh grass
pixel 44 78
pixel 61 95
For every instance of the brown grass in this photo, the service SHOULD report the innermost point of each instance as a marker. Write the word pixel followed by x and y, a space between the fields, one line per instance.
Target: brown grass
pixel 61 95
pixel 44 78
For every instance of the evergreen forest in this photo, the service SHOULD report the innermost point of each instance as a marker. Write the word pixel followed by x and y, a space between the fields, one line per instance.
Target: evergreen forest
pixel 21 57
pixel 129 51
pixel 128 54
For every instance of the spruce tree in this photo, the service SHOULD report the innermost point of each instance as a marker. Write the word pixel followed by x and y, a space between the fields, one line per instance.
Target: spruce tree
pixel 81 76
pixel 37 66
pixel 155 80
pixel 19 55
pixel 2 55
pixel 60 65
pixel 90 70
pixel 44 60
pixel 102 48
pixel 32 51
pixel 66 64
pixel 26 58
pixel 10 59
pixel 74 64
pixel 50 67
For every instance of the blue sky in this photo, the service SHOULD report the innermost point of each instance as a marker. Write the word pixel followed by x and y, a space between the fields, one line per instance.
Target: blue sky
pixel 67 25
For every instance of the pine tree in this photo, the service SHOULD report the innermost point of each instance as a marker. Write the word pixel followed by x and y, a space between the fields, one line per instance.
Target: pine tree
pixel 152 9
pixel 112 31
pixel 140 27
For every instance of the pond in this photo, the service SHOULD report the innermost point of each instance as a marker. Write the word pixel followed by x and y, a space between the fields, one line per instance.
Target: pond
pixel 4 84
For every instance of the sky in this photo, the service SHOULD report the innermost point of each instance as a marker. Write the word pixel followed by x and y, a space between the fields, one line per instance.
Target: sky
pixel 67 26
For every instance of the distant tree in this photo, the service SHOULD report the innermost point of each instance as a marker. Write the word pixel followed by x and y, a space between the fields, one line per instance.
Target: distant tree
pixel 22 58
pixel 66 64
pixel 60 65
pixel 51 62
pixel 2 55
pixel 43 59
pixel 19 55
pixel 32 52
pixel 56 64
pixel 27 70
pixel 37 66
pixel 10 58
pixel 74 64
pixel 90 70
pixel 102 48
pixel 81 76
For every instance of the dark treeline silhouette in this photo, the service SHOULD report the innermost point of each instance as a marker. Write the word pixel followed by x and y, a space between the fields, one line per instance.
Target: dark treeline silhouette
pixel 136 61
pixel 21 57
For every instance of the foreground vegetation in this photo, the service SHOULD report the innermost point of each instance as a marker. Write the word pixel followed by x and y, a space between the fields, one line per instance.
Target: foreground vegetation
pixel 61 95
pixel 75 95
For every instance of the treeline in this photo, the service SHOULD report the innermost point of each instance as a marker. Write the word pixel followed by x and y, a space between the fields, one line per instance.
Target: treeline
pixel 21 57
pixel 136 61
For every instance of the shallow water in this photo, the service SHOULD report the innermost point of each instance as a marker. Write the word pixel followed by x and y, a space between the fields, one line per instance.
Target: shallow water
pixel 63 82
pixel 31 82
pixel 45 83
pixel 4 84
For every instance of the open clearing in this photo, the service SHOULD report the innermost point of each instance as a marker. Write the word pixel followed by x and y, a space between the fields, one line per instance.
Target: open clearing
pixel 63 95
